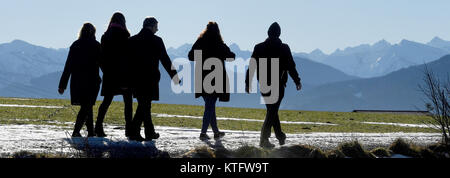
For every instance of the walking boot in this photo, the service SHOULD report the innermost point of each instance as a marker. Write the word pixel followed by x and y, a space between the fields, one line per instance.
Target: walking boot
pixel 76 134
pixel 77 128
pixel 282 139
pixel 203 136
pixel 151 136
pixel 218 135
pixel 135 134
pixel 136 137
pixel 264 143
pixel 99 130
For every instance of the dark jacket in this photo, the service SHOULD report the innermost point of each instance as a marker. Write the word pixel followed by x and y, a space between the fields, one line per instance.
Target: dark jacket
pixel 216 50
pixel 115 63
pixel 146 51
pixel 274 48
pixel 82 66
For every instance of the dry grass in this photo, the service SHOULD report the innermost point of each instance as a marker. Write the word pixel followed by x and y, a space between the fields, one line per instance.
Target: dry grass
pixel 344 150
pixel 403 147
pixel 354 150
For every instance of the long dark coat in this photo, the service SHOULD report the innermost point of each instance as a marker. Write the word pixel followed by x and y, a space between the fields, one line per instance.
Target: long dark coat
pixel 82 66
pixel 115 62
pixel 146 51
pixel 217 50
pixel 274 48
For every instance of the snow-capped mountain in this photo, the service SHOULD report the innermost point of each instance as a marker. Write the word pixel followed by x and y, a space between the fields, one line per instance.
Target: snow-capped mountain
pixel 21 61
pixel 382 57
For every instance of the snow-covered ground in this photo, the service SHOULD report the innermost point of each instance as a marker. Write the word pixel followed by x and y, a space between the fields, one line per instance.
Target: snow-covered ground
pixel 176 141
pixel 30 106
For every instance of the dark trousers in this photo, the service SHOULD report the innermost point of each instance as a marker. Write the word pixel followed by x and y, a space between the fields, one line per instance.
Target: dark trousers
pixel 143 114
pixel 128 101
pixel 85 115
pixel 209 116
pixel 272 119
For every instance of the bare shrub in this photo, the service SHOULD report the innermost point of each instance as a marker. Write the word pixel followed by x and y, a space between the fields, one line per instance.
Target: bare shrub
pixel 438 95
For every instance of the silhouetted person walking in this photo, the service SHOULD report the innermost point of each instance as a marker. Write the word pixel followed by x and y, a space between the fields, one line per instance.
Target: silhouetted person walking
pixel 272 48
pixel 146 51
pixel 116 71
pixel 212 46
pixel 83 69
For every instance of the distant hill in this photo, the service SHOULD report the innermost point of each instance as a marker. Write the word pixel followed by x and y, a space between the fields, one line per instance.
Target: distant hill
pixel 21 61
pixel 440 43
pixel 382 57
pixel 397 90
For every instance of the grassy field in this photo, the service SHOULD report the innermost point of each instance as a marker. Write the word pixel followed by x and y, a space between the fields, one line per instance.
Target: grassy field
pixel 347 121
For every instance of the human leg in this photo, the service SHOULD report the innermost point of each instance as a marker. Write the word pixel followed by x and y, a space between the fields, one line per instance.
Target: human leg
pixel 81 118
pixel 101 115
pixel 89 120
pixel 128 112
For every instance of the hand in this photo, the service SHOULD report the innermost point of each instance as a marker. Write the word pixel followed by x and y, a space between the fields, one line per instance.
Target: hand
pixel 60 91
pixel 176 80
pixel 299 86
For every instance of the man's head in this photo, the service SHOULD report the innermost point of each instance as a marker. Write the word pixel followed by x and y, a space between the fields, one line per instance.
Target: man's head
pixel 151 23
pixel 274 30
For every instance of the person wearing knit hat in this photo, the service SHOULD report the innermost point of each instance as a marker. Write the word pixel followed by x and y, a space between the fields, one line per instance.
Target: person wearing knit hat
pixel 274 30
pixel 273 50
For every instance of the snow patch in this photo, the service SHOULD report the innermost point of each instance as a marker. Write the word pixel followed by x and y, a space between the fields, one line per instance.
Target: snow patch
pixel 239 119
pixel 400 124
pixel 30 106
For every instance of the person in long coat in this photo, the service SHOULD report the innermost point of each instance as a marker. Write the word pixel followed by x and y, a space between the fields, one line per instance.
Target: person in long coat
pixel 212 46
pixel 116 70
pixel 82 66
pixel 273 48
pixel 146 51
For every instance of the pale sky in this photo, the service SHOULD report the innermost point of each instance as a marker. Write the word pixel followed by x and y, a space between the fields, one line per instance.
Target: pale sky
pixel 306 24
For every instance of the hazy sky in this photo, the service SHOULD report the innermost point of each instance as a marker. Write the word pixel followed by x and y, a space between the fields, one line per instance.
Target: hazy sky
pixel 306 24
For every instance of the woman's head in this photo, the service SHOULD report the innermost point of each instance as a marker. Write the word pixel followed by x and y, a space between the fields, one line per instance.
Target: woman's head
pixel 118 19
pixel 87 31
pixel 211 32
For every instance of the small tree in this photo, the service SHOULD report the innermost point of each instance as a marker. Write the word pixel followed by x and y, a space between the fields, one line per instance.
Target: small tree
pixel 438 95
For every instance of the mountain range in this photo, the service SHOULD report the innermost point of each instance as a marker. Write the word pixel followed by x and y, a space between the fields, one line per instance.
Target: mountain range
pixel 381 58
pixel 21 61
pixel 32 71
pixel 398 90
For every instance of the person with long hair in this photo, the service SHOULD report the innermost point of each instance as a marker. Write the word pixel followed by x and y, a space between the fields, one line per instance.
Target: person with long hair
pixel 116 71
pixel 212 49
pixel 82 66
pixel 273 50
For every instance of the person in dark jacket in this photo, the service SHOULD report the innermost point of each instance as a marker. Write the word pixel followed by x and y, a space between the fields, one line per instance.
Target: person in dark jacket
pixel 146 51
pixel 83 69
pixel 116 71
pixel 212 48
pixel 273 48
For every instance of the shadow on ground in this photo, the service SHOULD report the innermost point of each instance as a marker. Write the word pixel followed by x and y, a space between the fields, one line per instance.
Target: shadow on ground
pixel 107 148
